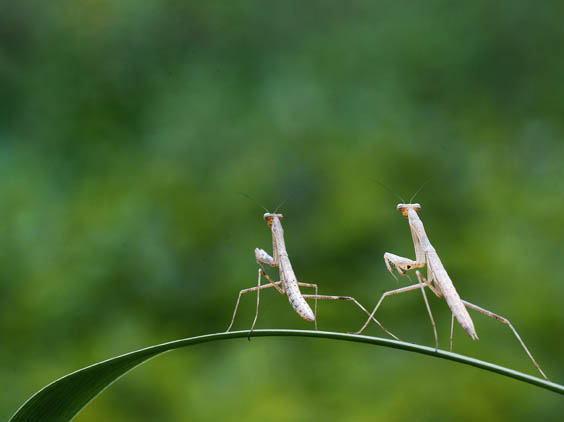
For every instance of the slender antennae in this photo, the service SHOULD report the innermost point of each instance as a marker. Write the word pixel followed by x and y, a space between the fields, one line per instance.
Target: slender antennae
pixel 419 190
pixel 282 203
pixel 252 199
pixel 389 190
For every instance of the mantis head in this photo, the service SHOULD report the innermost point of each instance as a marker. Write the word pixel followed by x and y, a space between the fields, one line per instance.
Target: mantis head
pixel 269 217
pixel 404 208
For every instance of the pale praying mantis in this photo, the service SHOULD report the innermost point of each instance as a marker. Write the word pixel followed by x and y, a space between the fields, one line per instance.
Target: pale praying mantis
pixel 436 274
pixel 288 283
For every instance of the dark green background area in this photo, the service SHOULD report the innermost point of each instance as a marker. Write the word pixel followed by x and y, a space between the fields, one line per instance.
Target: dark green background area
pixel 127 129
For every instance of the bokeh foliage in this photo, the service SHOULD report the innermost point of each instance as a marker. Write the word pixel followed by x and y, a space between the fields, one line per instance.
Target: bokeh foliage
pixel 126 129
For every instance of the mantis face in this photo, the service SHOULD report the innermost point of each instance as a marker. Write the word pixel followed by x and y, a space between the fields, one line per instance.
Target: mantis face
pixel 269 217
pixel 404 208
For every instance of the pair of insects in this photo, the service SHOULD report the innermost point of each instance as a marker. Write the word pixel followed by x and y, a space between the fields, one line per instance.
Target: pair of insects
pixel 438 281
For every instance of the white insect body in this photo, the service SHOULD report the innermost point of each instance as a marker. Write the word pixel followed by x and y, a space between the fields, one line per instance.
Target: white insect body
pixel 437 280
pixel 288 283
pixel 425 252
pixel 287 275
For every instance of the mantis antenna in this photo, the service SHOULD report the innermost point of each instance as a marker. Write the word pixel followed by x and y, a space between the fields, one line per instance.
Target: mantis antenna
pixel 253 199
pixel 419 190
pixel 282 203
pixel 389 190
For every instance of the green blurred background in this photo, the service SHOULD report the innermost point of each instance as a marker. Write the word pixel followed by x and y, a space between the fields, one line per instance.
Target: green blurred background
pixel 127 129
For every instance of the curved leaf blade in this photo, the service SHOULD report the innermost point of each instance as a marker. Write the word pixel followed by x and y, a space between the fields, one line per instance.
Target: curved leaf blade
pixel 64 398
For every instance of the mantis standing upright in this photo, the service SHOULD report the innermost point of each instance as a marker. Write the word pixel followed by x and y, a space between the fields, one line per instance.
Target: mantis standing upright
pixel 288 283
pixel 438 281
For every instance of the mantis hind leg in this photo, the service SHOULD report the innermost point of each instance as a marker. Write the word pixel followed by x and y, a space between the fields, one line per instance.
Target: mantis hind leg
pixel 352 299
pixel 506 322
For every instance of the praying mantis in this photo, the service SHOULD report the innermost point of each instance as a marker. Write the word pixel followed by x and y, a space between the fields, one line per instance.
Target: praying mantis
pixel 288 283
pixel 438 281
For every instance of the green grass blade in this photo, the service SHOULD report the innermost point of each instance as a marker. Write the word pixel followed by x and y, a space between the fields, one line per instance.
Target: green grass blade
pixel 64 398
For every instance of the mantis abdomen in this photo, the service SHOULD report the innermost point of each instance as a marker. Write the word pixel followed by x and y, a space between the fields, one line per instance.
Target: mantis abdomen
pixel 450 294
pixel 293 291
